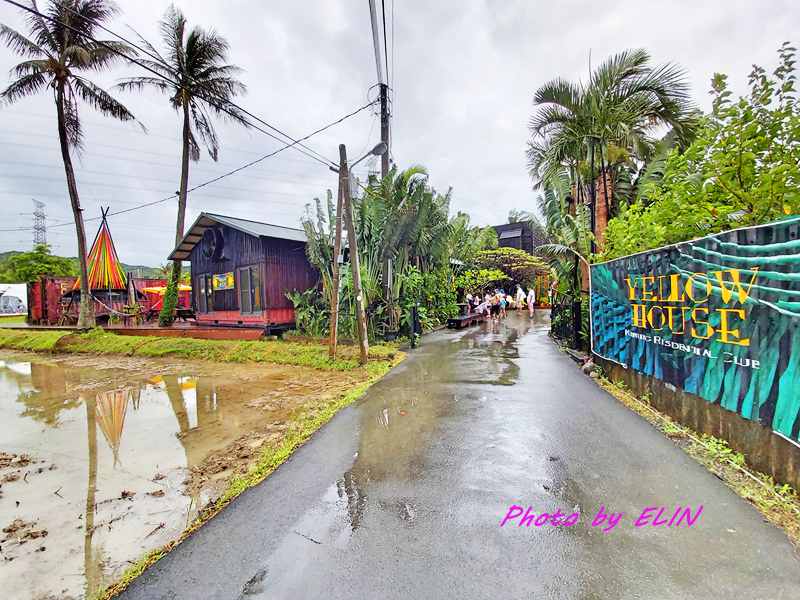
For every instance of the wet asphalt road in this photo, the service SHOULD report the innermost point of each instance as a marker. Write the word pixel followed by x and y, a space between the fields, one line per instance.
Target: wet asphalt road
pixel 402 495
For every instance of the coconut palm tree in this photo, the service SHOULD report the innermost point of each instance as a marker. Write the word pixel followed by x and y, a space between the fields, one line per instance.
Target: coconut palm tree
pixel 59 51
pixel 199 83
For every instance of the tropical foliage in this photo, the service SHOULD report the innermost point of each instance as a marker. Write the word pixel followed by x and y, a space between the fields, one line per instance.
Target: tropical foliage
pixel 608 121
pixel 743 168
pixel 60 51
pixel 198 82
pixel 605 134
pixel 410 250
pixel 568 225
pixel 29 267
pixel 519 266
pixel 479 281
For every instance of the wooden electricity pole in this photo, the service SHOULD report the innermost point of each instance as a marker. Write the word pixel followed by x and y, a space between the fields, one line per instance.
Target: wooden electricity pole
pixel 337 251
pixel 355 265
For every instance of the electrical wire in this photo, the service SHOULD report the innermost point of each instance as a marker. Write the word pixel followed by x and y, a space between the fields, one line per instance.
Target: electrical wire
pixel 223 107
pixel 385 45
pixel 294 143
pixel 160 59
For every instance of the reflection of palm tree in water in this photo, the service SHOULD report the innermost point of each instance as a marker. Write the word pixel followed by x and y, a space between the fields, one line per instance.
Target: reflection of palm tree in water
pixel 176 400
pixel 91 567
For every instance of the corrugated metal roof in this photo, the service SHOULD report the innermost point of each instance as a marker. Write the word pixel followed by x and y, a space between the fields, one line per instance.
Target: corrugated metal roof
pixel 511 234
pixel 255 228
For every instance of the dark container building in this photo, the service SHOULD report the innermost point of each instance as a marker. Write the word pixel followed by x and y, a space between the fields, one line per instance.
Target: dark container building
pixel 519 236
pixel 241 271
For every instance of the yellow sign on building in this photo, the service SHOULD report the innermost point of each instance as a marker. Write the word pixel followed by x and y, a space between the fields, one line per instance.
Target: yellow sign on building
pixel 224 281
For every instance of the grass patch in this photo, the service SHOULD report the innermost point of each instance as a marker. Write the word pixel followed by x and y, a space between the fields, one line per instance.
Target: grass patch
pixel 778 503
pixel 14 319
pixel 100 342
pixel 18 339
pixel 300 429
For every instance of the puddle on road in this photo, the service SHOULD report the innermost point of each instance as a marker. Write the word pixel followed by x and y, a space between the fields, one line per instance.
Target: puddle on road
pixel 387 484
pixel 102 460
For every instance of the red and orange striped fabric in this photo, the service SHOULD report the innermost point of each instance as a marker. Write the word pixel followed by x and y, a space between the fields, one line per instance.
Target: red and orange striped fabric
pixel 105 271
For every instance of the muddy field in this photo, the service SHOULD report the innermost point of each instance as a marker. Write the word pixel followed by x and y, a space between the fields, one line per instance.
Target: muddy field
pixel 103 459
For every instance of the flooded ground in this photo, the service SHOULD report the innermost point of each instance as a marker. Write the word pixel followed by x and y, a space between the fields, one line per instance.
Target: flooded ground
pixel 102 460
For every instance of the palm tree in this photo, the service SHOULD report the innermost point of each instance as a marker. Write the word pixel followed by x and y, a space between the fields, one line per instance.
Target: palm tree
pixel 623 105
pixel 199 83
pixel 570 233
pixel 62 47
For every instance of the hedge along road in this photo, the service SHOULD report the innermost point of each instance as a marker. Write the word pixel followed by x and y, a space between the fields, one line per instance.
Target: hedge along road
pixel 402 495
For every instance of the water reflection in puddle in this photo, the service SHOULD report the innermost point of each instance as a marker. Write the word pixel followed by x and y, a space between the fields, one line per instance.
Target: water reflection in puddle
pixel 109 451
pixel 389 481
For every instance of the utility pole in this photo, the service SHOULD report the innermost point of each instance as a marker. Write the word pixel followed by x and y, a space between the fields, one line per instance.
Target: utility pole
pixel 385 128
pixel 337 252
pixel 382 60
pixel 355 265
pixel 39 225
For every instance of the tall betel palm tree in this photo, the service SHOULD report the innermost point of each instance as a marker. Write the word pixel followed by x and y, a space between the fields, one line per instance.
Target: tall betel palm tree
pixel 62 47
pixel 198 82
pixel 619 114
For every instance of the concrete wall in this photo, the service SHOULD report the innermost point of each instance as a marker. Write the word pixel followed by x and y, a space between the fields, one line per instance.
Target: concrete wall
pixel 764 450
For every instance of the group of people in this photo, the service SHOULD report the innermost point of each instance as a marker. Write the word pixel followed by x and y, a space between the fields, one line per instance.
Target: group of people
pixel 495 304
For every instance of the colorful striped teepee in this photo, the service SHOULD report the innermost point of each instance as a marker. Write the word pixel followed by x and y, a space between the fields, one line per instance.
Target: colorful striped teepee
pixel 105 271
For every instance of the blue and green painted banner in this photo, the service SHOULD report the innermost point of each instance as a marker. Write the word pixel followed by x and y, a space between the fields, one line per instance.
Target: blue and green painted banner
pixel 718 317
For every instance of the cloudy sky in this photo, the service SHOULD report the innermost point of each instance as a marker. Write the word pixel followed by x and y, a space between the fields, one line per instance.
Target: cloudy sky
pixel 463 74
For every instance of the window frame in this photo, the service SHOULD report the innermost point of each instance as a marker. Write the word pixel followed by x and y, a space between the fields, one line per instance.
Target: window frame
pixel 255 297
pixel 205 294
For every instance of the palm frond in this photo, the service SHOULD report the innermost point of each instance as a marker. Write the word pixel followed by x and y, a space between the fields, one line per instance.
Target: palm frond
pixel 101 100
pixel 21 45
pixel 25 86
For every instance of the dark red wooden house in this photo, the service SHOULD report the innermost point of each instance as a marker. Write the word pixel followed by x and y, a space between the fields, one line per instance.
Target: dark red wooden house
pixel 241 271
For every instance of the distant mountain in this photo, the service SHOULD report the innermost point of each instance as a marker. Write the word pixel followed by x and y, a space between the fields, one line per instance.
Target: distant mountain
pixel 146 272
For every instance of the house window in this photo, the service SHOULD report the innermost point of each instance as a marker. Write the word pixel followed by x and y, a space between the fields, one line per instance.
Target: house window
pixel 250 290
pixel 205 294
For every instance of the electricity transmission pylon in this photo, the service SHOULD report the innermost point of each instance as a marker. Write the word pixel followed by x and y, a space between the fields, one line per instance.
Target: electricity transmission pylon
pixel 40 225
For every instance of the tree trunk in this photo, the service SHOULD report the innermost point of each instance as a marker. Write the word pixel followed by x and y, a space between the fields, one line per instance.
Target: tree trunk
pixel 85 316
pixel 167 316
pixel 603 171
pixel 593 192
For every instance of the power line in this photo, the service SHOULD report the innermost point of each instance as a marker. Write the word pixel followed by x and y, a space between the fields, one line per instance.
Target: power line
pixel 158 58
pixel 223 107
pixel 312 181
pixel 391 80
pixel 293 144
pixel 385 45
pixel 110 126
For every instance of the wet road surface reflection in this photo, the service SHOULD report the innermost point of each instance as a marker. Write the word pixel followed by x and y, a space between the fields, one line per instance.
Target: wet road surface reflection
pixel 434 461
pixel 402 495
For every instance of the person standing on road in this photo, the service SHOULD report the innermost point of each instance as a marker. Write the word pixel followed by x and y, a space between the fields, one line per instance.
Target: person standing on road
pixel 520 299
pixel 531 300
pixel 494 303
